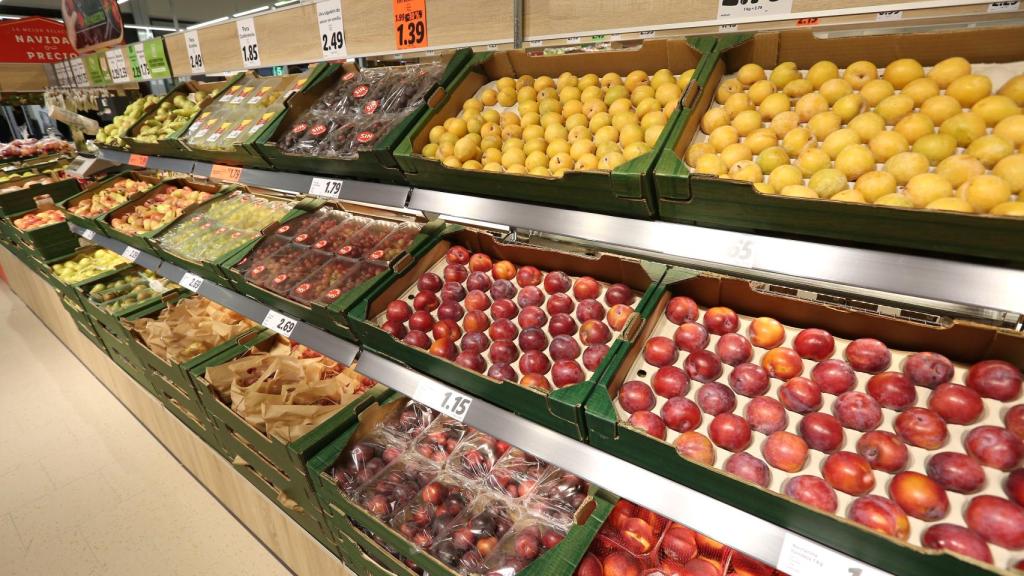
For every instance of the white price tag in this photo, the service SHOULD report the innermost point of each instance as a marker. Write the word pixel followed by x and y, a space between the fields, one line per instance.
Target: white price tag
pixel 744 9
pixel 741 252
pixel 444 399
pixel 325 187
pixel 280 323
pixel 728 28
pixel 647 34
pixel 81 78
pixel 88 234
pixel 248 43
pixel 802 557
pixel 131 253
pixel 1008 6
pixel 574 40
pixel 191 281
pixel 140 59
pixel 195 52
pixel 332 29
pixel 889 16
pixel 535 43
pixel 116 65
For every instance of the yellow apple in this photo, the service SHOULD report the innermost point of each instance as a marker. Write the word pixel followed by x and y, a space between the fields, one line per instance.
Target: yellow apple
pixel 875 185
pixel 822 71
pixel 859 73
pixel 949 69
pixel 984 192
pixel 923 189
pixel 969 89
pixel 903 71
pixel 906 165
pixel 959 168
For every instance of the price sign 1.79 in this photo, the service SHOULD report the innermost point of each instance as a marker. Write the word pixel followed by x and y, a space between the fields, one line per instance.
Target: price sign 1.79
pixel 325 188
pixel 450 402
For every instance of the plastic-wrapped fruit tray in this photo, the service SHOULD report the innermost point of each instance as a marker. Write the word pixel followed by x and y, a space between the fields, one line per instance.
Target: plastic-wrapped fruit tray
pixel 490 356
pixel 998 73
pixel 992 415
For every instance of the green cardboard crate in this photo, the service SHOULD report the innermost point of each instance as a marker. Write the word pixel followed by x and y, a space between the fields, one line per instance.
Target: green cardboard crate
pixel 560 410
pixel 111 322
pixel 625 191
pixel 960 342
pixel 171 145
pixel 21 201
pixel 142 241
pixel 126 362
pixel 562 560
pixel 93 223
pixel 705 200
pixel 243 153
pixel 370 558
pixel 212 269
pixel 82 321
pixel 333 317
pixel 379 162
pixel 47 242
pixel 72 289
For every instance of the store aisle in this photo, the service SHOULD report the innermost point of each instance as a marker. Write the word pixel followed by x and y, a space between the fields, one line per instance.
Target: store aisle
pixel 84 488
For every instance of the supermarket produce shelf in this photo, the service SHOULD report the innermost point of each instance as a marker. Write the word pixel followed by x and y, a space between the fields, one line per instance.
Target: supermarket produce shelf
pixel 981 291
pixel 770 543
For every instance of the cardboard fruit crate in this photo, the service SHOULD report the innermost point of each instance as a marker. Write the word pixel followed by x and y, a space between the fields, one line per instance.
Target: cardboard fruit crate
pixel 82 320
pixel 124 358
pixel 690 198
pixel 370 558
pixel 71 290
pixel 625 191
pixel 93 223
pixel 20 201
pixel 273 465
pixel 609 430
pixel 561 409
pixel 111 322
pixel 333 316
pixel 212 269
pixel 143 241
pixel 171 146
pixel 378 163
pixel 243 153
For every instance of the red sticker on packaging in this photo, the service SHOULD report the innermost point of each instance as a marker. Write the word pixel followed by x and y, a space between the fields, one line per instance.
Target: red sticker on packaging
pixel 320 244
pixel 345 250
pixel 259 269
pixel 236 235
pixel 376 255
pixel 318 129
pixel 243 261
pixel 221 230
pixel 284 229
pixel 333 293
pixel 302 288
pixel 194 218
pixel 207 225
pixel 280 278
pixel 301 237
pixel 371 106
pixel 365 137
pixel 361 90
pixel 300 127
pixel 348 76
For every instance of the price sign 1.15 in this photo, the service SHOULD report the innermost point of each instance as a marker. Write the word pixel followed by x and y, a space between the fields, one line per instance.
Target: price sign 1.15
pixel 450 402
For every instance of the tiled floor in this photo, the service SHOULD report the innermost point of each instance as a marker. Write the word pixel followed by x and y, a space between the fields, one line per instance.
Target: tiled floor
pixel 84 488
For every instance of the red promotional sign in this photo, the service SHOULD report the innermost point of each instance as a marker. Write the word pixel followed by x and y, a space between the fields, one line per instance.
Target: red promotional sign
pixel 34 40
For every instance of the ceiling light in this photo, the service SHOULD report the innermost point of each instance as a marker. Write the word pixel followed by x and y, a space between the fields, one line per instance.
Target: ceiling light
pixel 122 2
pixel 158 28
pixel 284 3
pixel 248 12
pixel 207 23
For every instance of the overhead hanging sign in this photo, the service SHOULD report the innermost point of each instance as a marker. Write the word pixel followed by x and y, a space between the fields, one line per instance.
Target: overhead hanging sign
pixel 34 40
pixel 92 25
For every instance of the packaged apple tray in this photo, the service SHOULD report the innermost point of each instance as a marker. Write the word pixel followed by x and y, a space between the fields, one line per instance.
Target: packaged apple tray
pixel 451 499
pixel 474 312
pixel 83 209
pixel 905 443
pixel 687 196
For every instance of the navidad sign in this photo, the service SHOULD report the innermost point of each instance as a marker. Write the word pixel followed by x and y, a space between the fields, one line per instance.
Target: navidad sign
pixel 34 40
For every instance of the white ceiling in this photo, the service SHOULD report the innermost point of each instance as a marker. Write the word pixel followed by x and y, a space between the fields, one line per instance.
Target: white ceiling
pixel 187 10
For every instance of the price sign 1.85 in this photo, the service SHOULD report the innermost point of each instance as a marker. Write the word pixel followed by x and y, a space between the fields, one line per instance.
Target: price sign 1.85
pixel 410 24
pixel 248 43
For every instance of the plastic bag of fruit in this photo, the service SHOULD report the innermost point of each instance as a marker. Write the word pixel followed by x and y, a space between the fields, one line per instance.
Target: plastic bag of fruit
pixel 476 455
pixel 370 127
pixel 440 439
pixel 557 496
pixel 468 543
pixel 525 542
pixel 440 504
pixel 516 473
pixel 341 142
pixel 307 133
pixel 396 485
pixel 361 461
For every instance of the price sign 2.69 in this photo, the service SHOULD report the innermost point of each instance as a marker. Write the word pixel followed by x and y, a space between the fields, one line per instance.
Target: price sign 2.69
pixel 410 24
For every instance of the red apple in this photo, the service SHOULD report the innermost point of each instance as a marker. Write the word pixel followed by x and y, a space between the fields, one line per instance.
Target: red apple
pixel 956 539
pixel 479 281
pixel 821 431
pixel 749 380
pixel 702 366
pixel 721 320
pixel 800 395
pixel 921 427
pixel 636 395
pixel 765 415
pixel 814 344
pixel 562 324
pixel 586 287
pixel 881 515
pixel 690 337
pixel 997 520
pixel 504 309
pixel 884 451
pixel 695 446
pixel 834 377
pixel 426 301
pixel 589 309
pixel 618 316
pixel 730 432
pixel 681 414
pixel 534 362
pixel 734 349
pixel 429 282
pixel 681 309
pixel 749 468
pixel 471 360
pixel 532 317
pixel 858 411
pixel 559 303
pixel 529 276
pixel 956 404
pixel 715 398
pixel 564 348
pixel 649 422
pixel 785 451
pixel 995 379
pixel 595 332
pixel 660 351
pixel 480 262
pixel 994 447
pixel 398 311
pixel 532 339
pixel 892 390
pixel 812 491
pixel 421 321
pixel 928 369
pixel 566 373
pixel 670 381
pixel 594 355
pixel 868 355
pixel 503 289
pixel 417 338
pixel 503 330
pixel 848 472
pixel 557 282
pixel 766 332
pixel 956 472
pixel 503 352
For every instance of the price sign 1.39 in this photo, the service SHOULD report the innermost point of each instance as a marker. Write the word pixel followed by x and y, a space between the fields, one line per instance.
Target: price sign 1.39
pixel 450 402
pixel 410 24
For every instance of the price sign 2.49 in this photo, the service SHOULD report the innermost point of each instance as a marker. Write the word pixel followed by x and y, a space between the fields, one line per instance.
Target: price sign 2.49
pixel 410 24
